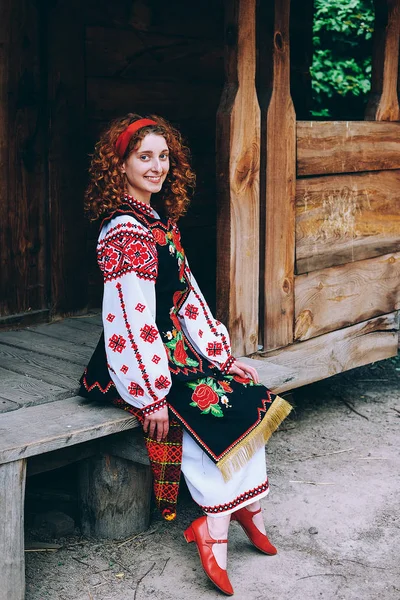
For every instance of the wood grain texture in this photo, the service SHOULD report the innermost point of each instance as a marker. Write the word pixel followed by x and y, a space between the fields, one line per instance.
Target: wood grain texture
pixel 67 160
pixel 115 497
pixel 334 298
pixel 129 54
pixel 108 97
pixel 273 376
pixel 68 422
pixel 203 19
pixel 280 191
pixel 52 370
pixel 58 348
pixel 383 104
pixel 12 556
pixel 338 351
pixel 238 162
pixel 68 334
pixel 62 457
pixel 325 147
pixel 22 190
pixel 343 218
pixel 27 391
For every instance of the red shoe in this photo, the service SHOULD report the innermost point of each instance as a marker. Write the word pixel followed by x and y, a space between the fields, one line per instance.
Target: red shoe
pixel 245 518
pixel 198 532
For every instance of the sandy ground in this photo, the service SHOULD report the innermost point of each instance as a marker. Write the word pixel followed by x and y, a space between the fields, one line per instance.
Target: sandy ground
pixel 333 512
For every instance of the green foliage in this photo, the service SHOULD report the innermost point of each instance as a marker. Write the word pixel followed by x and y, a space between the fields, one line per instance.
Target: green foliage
pixel 341 67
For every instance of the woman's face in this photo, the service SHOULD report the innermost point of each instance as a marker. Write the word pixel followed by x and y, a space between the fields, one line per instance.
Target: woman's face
pixel 146 167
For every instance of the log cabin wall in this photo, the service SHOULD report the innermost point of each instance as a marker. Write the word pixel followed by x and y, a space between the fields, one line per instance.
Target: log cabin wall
pixel 24 287
pixel 163 58
pixel 346 272
pixel 68 68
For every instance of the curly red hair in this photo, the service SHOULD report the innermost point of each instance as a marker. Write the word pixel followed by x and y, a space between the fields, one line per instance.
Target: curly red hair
pixel 106 188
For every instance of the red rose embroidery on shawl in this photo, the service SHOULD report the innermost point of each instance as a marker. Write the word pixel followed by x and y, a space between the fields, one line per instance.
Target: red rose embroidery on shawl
pixel 204 396
pixel 160 237
pixel 180 353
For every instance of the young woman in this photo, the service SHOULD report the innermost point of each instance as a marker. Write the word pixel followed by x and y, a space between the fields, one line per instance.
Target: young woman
pixel 163 356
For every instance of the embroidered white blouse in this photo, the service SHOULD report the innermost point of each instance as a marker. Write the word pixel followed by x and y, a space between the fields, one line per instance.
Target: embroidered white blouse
pixel 136 356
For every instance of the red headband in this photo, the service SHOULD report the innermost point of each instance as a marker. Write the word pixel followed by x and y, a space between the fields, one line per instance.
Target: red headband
pixel 125 137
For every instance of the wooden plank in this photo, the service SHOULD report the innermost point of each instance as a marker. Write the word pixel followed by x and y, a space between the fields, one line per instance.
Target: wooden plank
pixel 198 19
pixel 325 147
pixel 67 156
pixel 115 497
pixel 95 319
pixel 108 97
pixel 39 366
pixel 383 104
pixel 338 351
pixel 272 375
pixel 62 332
pixel 129 445
pixel 238 163
pixel 83 325
pixel 68 422
pixel 26 390
pixel 29 340
pixel 12 556
pixel 280 191
pixel 343 218
pixel 340 296
pixel 62 457
pixel 133 54
pixel 7 405
pixel 22 152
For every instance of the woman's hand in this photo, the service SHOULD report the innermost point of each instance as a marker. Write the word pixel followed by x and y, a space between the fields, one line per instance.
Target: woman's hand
pixel 244 370
pixel 157 424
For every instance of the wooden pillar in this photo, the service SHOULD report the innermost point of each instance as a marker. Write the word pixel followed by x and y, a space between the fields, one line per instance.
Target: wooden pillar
pixel 12 554
pixel 238 150
pixel 383 103
pixel 67 155
pixel 115 497
pixel 280 182
pixel 22 160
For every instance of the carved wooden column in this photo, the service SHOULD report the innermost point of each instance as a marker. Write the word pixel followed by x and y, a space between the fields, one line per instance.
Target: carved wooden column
pixel 238 150
pixel 383 103
pixel 280 183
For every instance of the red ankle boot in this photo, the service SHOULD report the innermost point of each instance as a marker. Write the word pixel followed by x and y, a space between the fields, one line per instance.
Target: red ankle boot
pixel 198 532
pixel 245 518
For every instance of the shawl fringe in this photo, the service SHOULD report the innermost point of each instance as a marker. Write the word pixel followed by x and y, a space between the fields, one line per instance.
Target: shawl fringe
pixel 237 458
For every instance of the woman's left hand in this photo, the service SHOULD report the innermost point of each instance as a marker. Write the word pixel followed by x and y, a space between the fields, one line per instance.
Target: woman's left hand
pixel 244 370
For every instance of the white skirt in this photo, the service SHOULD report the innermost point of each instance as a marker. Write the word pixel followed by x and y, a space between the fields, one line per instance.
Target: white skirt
pixel 208 488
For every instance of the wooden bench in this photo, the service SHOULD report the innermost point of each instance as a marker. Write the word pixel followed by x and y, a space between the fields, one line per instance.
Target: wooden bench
pixel 45 425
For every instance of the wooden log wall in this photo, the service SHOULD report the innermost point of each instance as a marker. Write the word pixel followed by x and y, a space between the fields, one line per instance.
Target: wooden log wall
pixel 153 57
pixel 23 281
pixel 348 204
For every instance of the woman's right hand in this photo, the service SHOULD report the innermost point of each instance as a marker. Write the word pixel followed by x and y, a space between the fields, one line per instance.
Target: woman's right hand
pixel 157 424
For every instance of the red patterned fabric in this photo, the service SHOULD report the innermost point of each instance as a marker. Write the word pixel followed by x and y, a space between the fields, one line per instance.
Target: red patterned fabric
pixel 128 248
pixel 165 460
